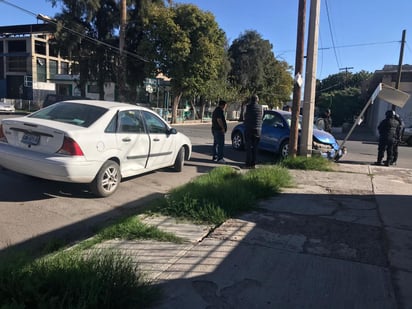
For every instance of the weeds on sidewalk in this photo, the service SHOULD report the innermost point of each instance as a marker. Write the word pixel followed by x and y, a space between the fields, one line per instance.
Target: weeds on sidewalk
pixel 71 279
pixel 220 194
pixel 305 163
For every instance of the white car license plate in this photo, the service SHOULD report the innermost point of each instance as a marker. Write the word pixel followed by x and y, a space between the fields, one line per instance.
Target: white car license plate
pixel 30 139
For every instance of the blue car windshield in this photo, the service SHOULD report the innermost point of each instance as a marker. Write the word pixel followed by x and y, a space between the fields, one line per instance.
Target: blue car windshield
pixel 288 118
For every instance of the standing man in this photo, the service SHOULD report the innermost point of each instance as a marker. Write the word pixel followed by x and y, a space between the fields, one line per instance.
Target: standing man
pixel 387 134
pixel 328 120
pixel 398 138
pixel 253 128
pixel 219 128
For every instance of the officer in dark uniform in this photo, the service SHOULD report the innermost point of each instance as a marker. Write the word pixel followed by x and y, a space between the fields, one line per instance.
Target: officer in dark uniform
pixel 398 138
pixel 387 135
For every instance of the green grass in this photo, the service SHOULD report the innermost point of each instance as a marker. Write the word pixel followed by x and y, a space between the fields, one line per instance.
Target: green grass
pixel 315 163
pixel 128 229
pixel 71 279
pixel 224 192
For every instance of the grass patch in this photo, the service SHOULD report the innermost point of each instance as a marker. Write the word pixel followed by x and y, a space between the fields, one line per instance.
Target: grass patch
pixel 71 279
pixel 315 163
pixel 224 192
pixel 128 229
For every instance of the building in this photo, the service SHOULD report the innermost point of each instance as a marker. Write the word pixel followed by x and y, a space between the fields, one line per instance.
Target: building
pixel 389 76
pixel 32 67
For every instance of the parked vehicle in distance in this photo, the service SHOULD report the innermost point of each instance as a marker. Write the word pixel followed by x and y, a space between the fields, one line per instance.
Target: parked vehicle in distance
pixel 7 107
pixel 275 136
pixel 91 141
pixel 52 98
pixel 407 136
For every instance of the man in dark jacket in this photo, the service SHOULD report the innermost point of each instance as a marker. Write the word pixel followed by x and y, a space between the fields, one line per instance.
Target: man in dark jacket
pixel 398 138
pixel 387 134
pixel 253 128
pixel 219 128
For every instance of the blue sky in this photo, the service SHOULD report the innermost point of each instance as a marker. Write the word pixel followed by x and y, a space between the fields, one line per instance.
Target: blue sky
pixel 362 34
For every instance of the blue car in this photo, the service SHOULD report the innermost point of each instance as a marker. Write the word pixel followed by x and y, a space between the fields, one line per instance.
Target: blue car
pixel 275 136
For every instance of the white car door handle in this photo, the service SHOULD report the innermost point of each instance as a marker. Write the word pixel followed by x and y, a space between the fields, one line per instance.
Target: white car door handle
pixel 156 139
pixel 126 139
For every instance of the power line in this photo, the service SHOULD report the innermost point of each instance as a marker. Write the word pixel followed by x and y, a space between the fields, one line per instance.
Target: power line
pixel 331 33
pixel 84 36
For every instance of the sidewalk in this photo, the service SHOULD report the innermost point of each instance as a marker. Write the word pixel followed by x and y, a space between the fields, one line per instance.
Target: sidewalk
pixel 338 240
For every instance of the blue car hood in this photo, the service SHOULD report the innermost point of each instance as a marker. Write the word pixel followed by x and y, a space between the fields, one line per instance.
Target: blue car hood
pixel 324 137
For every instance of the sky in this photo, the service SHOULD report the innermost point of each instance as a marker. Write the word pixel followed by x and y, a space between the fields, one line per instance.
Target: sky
pixel 354 35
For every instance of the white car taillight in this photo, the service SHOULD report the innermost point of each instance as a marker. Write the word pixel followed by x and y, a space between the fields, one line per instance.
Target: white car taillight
pixel 2 135
pixel 70 148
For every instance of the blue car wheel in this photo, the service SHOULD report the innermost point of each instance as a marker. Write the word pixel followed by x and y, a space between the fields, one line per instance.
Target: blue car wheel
pixel 237 141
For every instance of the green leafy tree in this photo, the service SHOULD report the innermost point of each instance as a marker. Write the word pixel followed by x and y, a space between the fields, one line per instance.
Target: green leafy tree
pixel 256 70
pixel 80 25
pixel 188 46
pixel 342 94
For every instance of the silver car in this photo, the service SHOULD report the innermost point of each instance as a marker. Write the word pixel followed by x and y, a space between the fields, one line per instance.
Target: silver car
pixel 407 136
pixel 7 107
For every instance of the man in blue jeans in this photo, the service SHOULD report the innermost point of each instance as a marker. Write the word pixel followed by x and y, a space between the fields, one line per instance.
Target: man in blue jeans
pixel 219 128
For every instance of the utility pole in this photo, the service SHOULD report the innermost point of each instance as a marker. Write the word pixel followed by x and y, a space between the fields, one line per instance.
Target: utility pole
pixel 346 73
pixel 297 88
pixel 310 80
pixel 398 80
pixel 121 73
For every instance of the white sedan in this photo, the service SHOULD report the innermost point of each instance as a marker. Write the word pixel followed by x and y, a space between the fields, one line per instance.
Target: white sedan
pixel 7 107
pixel 95 142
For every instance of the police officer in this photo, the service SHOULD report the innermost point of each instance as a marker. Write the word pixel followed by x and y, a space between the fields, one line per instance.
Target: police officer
pixel 398 138
pixel 387 134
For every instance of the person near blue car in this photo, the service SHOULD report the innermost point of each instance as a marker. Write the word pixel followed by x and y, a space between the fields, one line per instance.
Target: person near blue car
pixel 219 128
pixel 253 129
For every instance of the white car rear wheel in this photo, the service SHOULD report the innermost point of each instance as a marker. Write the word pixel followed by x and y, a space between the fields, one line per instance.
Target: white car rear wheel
pixel 107 179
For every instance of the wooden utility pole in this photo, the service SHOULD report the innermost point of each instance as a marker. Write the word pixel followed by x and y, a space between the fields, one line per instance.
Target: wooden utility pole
pixel 310 80
pixel 121 73
pixel 398 80
pixel 297 88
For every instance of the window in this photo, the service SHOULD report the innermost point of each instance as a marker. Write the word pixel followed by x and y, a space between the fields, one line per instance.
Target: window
pixel 53 50
pixel 41 69
pixel 130 122
pixel 40 47
pixel 52 68
pixel 154 123
pixel 17 46
pixel 64 68
pixel 92 89
pixel 17 64
pixel 78 114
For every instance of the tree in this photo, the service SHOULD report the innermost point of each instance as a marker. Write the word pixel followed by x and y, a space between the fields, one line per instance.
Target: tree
pixel 256 70
pixel 342 93
pixel 81 24
pixel 188 46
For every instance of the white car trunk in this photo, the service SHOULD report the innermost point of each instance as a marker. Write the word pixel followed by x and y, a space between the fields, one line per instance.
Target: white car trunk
pixel 27 134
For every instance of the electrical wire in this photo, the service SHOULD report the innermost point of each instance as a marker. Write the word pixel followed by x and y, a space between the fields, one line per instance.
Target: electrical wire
pixel 331 33
pixel 84 36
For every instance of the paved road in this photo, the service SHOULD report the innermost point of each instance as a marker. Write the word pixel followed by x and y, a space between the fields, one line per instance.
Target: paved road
pixel 34 210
